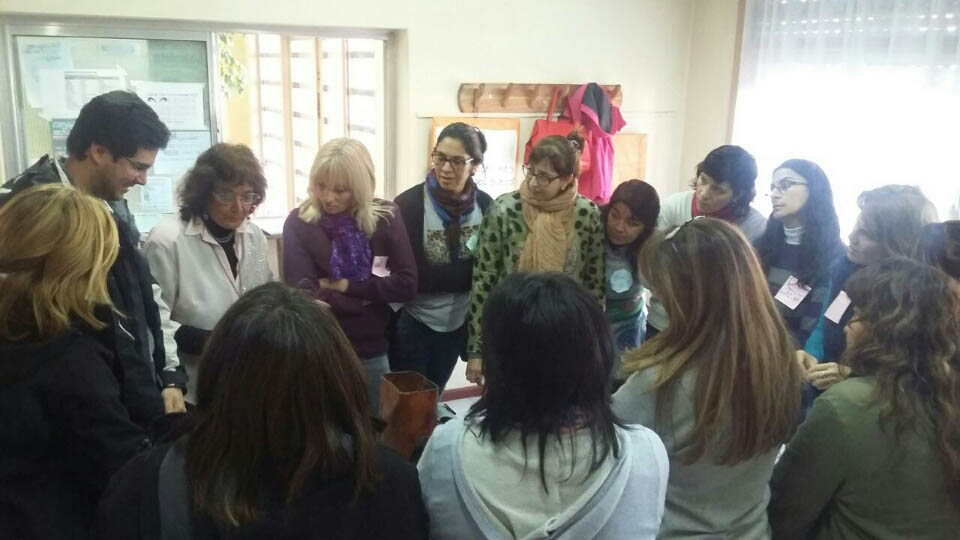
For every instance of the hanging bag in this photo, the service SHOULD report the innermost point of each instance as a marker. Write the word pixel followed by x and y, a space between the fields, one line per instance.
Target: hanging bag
pixel 544 127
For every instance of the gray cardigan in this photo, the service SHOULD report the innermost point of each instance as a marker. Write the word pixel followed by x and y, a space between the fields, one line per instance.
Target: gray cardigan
pixel 629 504
pixel 704 500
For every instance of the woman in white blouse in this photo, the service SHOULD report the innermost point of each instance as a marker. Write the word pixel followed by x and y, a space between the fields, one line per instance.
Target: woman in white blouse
pixel 210 254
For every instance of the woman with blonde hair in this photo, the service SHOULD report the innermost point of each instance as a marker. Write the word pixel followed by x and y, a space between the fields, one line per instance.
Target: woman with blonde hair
pixel 545 226
pixel 719 385
pixel 879 454
pixel 63 429
pixel 351 251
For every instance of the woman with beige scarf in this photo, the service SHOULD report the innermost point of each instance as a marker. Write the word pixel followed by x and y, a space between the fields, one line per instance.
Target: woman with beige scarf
pixel 545 226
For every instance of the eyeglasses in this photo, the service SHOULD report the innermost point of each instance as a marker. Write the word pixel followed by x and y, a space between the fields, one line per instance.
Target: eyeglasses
pixel 541 178
pixel 674 232
pixel 457 162
pixel 227 197
pixel 783 185
pixel 139 167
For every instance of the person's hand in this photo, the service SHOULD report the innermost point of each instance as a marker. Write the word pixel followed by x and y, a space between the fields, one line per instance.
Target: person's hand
pixel 823 376
pixel 173 400
pixel 806 361
pixel 475 370
pixel 339 285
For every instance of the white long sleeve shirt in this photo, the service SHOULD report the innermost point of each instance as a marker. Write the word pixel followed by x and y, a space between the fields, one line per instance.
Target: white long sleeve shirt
pixel 196 284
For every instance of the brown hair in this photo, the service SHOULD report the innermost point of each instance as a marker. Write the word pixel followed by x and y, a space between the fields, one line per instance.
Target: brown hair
pixel 724 324
pixel 939 246
pixel 221 164
pixel 912 348
pixel 279 387
pixel 56 249
pixel 894 215
pixel 563 153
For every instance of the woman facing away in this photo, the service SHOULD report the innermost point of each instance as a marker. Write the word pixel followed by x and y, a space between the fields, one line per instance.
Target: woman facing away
pixel 545 226
pixel 879 454
pixel 541 454
pixel 720 385
pixel 281 444
pixel 63 429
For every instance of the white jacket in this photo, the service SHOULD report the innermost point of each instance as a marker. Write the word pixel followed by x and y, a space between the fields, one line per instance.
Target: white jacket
pixel 196 285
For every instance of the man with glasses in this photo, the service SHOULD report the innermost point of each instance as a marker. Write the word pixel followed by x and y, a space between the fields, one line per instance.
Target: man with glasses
pixel 112 145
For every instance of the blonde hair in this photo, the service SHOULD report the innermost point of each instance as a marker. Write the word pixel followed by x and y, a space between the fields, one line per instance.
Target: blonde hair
pixel 348 161
pixel 723 322
pixel 55 251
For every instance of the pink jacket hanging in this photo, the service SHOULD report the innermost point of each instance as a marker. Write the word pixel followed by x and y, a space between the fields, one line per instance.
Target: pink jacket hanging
pixel 590 106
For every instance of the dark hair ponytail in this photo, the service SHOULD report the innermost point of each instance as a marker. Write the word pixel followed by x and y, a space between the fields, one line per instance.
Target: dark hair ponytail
pixel 472 139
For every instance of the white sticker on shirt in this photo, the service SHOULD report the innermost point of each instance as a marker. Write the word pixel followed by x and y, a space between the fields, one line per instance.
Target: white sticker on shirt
pixel 472 243
pixel 792 293
pixel 380 266
pixel 621 280
pixel 838 307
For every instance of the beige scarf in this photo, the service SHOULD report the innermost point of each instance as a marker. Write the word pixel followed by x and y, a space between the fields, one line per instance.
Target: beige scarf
pixel 549 227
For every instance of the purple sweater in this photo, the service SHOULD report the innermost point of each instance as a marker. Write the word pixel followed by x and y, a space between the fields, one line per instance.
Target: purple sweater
pixel 362 311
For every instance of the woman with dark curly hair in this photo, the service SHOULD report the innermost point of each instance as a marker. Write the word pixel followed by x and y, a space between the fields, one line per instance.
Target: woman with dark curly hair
pixel 879 454
pixel 208 256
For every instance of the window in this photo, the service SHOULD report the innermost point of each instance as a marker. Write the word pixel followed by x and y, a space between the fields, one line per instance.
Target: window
pixel 868 90
pixel 296 93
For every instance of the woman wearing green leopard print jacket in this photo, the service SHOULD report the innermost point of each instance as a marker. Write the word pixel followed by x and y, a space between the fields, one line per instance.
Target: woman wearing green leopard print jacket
pixel 545 226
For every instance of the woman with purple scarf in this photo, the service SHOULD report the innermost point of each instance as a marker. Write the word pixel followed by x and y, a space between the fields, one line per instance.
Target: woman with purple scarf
pixel 442 216
pixel 351 252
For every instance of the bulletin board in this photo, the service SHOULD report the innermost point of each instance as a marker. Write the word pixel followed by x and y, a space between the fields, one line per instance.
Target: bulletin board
pixel 501 170
pixel 58 69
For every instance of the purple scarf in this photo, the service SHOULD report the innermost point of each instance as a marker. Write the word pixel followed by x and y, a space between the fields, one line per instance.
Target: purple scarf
pixel 350 255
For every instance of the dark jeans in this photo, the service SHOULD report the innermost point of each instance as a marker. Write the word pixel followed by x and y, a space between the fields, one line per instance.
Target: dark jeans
pixel 417 347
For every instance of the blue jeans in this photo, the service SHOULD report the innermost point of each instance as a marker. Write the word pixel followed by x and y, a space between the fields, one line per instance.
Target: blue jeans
pixel 417 347
pixel 375 367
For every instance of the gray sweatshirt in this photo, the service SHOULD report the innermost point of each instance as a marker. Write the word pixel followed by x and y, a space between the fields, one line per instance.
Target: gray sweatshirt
pixel 624 500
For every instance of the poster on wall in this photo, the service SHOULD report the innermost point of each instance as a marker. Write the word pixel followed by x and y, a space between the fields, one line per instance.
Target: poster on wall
pixel 499 172
pixel 179 105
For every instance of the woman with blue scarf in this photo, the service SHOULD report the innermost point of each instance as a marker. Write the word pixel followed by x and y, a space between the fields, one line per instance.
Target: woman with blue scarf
pixel 442 216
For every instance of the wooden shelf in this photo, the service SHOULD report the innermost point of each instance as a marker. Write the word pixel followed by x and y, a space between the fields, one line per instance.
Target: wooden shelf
pixel 520 98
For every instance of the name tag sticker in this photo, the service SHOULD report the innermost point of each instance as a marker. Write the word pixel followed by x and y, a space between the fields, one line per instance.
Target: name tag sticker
pixel 380 266
pixel 792 293
pixel 838 307
pixel 472 243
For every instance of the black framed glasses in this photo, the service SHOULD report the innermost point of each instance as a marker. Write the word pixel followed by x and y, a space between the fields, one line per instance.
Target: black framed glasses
pixel 137 166
pixel 783 185
pixel 227 197
pixel 541 178
pixel 457 162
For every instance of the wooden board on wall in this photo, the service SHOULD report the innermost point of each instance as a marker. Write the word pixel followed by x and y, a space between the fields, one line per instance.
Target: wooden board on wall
pixel 500 171
pixel 630 157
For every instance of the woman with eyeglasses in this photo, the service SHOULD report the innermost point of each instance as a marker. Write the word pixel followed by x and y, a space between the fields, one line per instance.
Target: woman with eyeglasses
pixel 206 257
pixel 442 217
pixel 545 226
pixel 801 241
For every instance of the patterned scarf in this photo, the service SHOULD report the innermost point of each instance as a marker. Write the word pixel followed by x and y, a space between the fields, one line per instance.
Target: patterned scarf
pixel 350 255
pixel 452 209
pixel 550 226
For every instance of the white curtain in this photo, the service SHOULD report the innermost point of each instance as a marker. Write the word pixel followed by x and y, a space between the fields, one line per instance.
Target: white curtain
pixel 868 89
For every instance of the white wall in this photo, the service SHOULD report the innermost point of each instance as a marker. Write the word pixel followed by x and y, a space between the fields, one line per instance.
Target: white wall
pixel 642 44
pixel 674 59
pixel 710 82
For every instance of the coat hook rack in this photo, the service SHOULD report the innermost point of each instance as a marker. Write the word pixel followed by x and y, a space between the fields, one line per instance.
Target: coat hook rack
pixel 520 97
